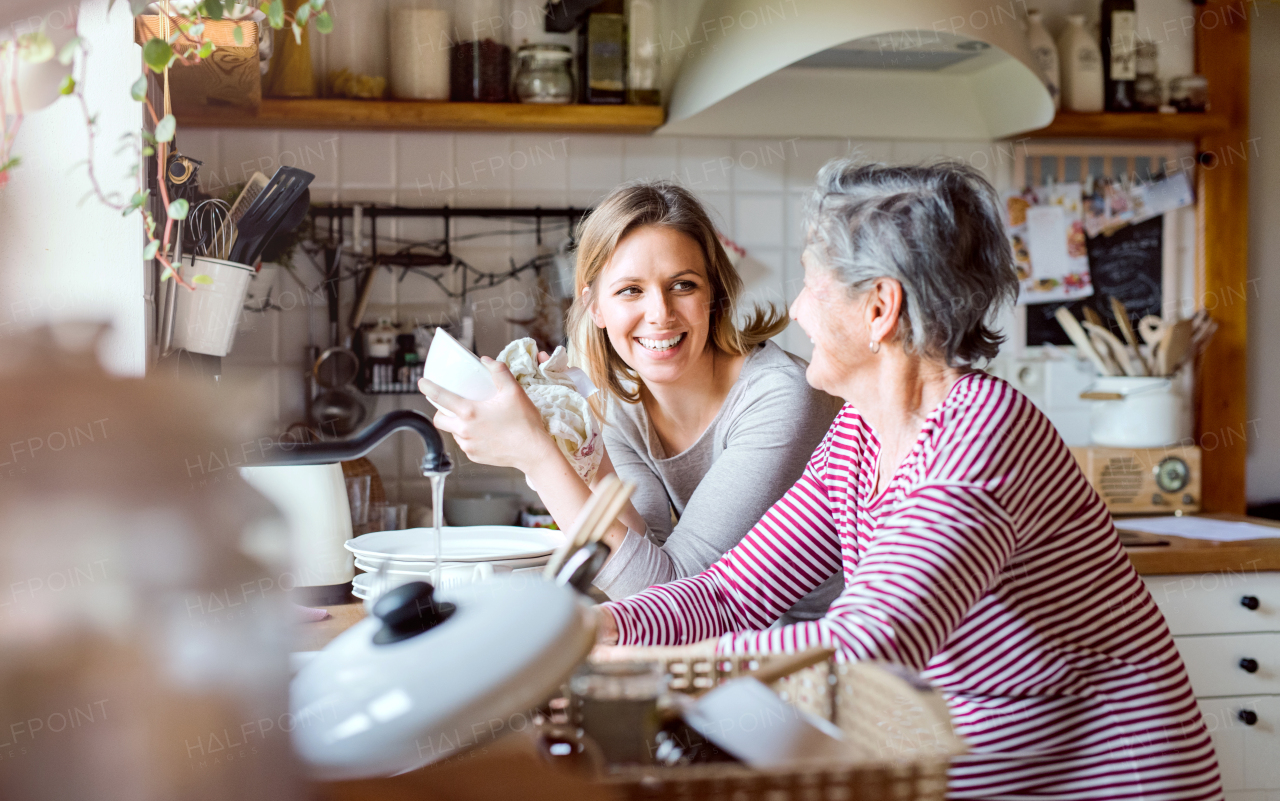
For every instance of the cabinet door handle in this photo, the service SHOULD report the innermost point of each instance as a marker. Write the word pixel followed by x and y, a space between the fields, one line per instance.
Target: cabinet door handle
pixel 1249 665
pixel 1247 716
pixel 1250 602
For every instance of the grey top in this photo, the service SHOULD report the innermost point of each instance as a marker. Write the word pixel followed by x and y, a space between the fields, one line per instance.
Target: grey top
pixel 750 455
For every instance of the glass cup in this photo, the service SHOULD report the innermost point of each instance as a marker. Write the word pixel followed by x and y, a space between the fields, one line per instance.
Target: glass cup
pixel 388 516
pixel 358 488
pixel 616 704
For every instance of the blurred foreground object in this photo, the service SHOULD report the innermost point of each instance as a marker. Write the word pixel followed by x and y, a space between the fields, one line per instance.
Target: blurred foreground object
pixel 142 649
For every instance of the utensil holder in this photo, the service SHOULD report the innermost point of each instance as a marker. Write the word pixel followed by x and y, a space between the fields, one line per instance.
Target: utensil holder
pixel 205 320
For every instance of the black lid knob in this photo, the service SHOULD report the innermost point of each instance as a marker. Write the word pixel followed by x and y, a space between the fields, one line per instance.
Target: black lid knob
pixel 1249 665
pixel 409 610
pixel 1247 716
pixel 1250 602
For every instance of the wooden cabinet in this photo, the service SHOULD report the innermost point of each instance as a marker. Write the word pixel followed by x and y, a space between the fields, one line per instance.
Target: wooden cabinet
pixel 1227 629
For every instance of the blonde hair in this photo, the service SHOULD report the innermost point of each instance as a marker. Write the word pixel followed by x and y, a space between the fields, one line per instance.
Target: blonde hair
pixel 665 204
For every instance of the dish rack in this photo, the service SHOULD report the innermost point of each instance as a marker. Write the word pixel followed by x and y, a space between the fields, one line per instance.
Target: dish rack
pixel 898 731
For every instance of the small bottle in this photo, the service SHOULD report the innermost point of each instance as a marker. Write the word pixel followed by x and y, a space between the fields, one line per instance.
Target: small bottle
pixel 1081 67
pixel 643 65
pixel 1045 55
pixel 602 54
pixel 1119 34
pixel 1146 89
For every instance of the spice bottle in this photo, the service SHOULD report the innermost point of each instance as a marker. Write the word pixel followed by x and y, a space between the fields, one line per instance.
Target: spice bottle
pixel 480 69
pixel 602 54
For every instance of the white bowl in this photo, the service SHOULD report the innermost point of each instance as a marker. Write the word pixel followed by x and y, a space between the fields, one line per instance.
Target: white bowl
pixel 483 509
pixel 457 369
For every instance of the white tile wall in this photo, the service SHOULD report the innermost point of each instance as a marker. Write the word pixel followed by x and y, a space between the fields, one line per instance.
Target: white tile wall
pixel 755 189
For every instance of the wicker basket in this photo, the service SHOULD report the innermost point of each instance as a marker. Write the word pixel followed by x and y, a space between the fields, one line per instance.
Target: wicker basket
pixel 898 732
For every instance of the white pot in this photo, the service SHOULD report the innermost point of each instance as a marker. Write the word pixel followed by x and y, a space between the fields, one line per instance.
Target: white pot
pixel 205 320
pixel 1150 413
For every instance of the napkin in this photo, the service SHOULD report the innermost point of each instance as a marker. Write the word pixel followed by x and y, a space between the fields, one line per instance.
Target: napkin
pixel 560 394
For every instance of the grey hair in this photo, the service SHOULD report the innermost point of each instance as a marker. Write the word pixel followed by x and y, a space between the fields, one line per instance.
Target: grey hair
pixel 937 230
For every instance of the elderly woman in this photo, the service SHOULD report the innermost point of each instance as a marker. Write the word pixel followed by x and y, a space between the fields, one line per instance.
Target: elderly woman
pixel 973 549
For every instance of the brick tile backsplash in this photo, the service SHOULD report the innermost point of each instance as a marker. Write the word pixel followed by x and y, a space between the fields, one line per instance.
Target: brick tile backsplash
pixel 754 188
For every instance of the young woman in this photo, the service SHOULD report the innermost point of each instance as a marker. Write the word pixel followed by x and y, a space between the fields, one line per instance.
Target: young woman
pixel 712 421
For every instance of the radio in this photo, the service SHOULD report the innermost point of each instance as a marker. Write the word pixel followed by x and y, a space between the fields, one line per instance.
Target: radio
pixel 1143 480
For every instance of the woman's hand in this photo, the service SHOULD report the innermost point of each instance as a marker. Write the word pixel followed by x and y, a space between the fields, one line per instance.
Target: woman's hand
pixel 606 627
pixel 505 430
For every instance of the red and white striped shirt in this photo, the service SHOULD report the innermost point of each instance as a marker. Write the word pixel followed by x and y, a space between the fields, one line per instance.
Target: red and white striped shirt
pixel 991 567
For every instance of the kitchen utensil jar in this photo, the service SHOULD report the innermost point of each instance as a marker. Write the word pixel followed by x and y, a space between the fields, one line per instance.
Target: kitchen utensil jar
pixel 543 74
pixel 206 319
pixel 1137 412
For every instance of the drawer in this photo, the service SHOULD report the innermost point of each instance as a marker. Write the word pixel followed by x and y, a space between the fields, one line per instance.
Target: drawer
pixel 1215 663
pixel 1218 603
pixel 1249 755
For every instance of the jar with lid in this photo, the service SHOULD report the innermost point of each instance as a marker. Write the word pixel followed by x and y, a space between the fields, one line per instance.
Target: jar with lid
pixel 355 53
pixel 1189 93
pixel 543 74
pixel 480 67
pixel 420 38
pixel 1146 88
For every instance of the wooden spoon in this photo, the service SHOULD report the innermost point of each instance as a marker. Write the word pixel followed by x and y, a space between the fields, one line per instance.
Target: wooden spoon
pixel 1126 329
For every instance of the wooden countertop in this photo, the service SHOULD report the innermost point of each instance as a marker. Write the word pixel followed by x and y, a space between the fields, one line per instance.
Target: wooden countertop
pixel 1179 556
pixel 1202 556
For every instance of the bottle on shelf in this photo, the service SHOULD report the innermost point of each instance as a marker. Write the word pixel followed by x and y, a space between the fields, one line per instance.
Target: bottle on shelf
pixel 1081 64
pixel 1045 55
pixel 1119 35
pixel 643 65
pixel 602 54
pixel 1147 90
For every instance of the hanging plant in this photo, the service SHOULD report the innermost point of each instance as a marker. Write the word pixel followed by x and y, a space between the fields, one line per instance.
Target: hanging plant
pixel 186 46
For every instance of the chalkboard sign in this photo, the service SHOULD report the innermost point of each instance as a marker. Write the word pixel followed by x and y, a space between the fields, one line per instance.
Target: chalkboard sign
pixel 1128 265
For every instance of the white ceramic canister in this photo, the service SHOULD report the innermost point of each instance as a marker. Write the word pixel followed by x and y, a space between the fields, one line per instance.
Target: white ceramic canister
pixel 1150 412
pixel 1081 64
pixel 1045 55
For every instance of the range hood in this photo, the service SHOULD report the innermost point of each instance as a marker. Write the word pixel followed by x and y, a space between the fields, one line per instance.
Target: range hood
pixel 872 69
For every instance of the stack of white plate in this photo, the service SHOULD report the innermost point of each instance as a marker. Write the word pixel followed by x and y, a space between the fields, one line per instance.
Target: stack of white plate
pixel 468 553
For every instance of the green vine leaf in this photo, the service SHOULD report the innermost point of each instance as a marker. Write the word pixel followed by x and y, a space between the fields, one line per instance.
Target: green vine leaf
pixel 148 150
pixel 35 47
pixel 297 33
pixel 136 202
pixel 301 16
pixel 68 85
pixel 150 251
pixel 166 275
pixel 237 33
pixel 68 51
pixel 139 89
pixel 166 128
pixel 197 30
pixel 211 9
pixel 324 22
pixel 178 209
pixel 157 54
pixel 206 49
pixel 202 279
pixel 275 13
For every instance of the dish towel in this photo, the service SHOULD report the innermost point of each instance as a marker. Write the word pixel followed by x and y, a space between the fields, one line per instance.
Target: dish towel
pixel 560 393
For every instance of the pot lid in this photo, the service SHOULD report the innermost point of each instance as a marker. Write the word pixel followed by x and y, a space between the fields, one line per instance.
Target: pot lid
pixel 429 676
pixel 924 69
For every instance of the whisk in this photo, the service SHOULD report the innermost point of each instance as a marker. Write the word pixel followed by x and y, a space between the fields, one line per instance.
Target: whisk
pixel 213 238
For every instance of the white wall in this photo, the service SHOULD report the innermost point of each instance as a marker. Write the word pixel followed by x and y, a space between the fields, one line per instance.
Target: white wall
pixel 1263 295
pixel 60 258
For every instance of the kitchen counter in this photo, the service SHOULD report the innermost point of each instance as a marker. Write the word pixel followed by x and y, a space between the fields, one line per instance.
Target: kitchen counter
pixel 1179 556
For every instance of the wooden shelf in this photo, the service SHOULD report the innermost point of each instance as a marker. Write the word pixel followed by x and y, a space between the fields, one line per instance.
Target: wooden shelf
pixel 1070 125
pixel 416 115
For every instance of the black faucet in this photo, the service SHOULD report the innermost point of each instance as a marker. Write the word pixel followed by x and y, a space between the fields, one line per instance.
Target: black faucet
pixel 436 459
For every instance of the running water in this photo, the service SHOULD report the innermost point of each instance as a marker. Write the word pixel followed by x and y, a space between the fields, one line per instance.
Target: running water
pixel 437 513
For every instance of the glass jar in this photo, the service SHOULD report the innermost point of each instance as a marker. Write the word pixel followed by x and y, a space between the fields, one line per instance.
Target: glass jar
pixel 1189 93
pixel 616 705
pixel 1146 87
pixel 543 74
pixel 355 53
pixel 480 66
pixel 643 63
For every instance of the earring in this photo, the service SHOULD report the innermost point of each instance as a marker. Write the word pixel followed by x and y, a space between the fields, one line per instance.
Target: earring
pixel 875 346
